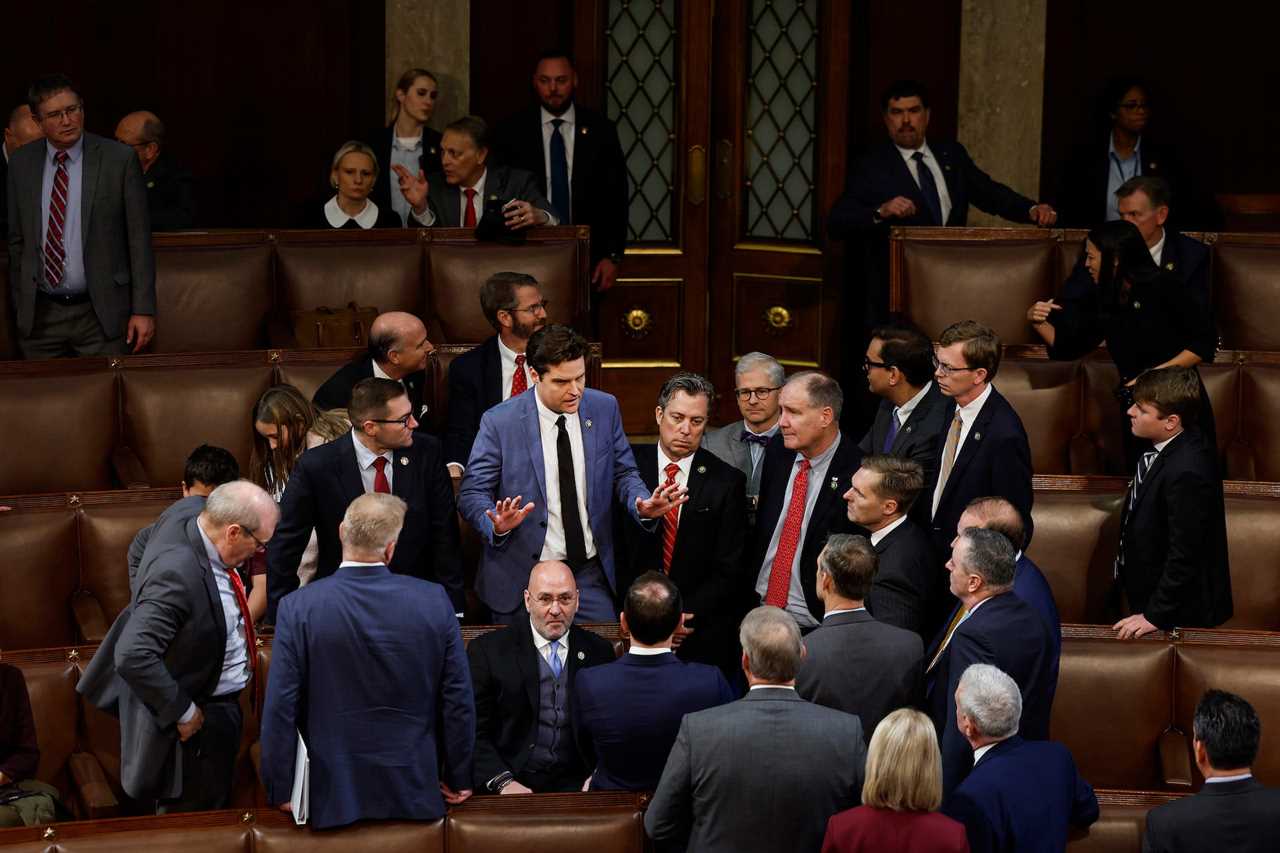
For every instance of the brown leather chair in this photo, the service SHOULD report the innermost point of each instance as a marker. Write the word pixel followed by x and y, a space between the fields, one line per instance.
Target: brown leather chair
pixel 39 572
pixel 8 326
pixel 1121 824
pixel 1244 294
pixel 566 823
pixel 1075 542
pixel 213 291
pixel 1253 548
pixel 1112 707
pixel 307 370
pixel 1260 430
pixel 1046 395
pixel 277 833
pixel 59 427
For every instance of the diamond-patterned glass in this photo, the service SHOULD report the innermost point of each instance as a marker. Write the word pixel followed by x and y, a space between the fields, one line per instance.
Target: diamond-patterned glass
pixel 781 119
pixel 641 93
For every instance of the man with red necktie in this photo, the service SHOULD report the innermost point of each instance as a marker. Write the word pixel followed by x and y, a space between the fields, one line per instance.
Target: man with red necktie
pixel 807 469
pixel 483 377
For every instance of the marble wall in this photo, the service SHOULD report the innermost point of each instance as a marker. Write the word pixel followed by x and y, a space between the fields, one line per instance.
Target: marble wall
pixel 436 35
pixel 1002 47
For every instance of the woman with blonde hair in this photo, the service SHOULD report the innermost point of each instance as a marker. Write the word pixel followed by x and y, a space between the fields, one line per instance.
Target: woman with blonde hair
pixel 900 796
pixel 407 141
pixel 353 175
pixel 285 424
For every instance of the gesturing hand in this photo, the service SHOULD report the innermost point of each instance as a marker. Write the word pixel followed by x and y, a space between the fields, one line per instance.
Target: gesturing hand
pixel 1040 311
pixel 413 188
pixel 508 513
pixel 662 501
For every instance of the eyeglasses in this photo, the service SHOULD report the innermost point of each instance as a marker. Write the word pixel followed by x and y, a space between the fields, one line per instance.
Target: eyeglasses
pixel 745 394
pixel 404 422
pixel 946 369
pixel 262 546
pixel 546 599
pixel 69 112
pixel 1135 105
pixel 867 364
pixel 534 308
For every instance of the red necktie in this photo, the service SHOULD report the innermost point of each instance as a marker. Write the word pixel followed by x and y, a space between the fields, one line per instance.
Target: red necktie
pixel 780 571
pixel 670 522
pixel 380 484
pixel 519 382
pixel 469 220
pixel 54 253
pixel 251 641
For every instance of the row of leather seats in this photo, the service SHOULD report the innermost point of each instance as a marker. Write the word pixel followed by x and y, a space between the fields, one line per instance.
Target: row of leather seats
pixel 938 275
pixel 236 290
pixel 104 423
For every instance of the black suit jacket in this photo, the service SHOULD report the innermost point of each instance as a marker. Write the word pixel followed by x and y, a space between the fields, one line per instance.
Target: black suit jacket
pixel 335 393
pixel 475 386
pixel 707 561
pixel 1243 817
pixel 501 185
pixel 1175 568
pixel 1005 632
pixel 599 182
pixel 994 461
pixel 170 195
pixel 911 582
pixel 830 513
pixel 862 666
pixel 917 439
pixel 327 479
pixel 504 673
pixel 429 162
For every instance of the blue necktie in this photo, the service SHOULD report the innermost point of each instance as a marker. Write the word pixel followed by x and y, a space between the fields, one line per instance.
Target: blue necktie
pixel 893 432
pixel 553 659
pixel 559 174
pixel 928 187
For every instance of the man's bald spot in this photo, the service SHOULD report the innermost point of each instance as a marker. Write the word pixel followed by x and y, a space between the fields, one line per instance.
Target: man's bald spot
pixel 551 573
pixel 999 515
pixel 135 123
pixel 400 326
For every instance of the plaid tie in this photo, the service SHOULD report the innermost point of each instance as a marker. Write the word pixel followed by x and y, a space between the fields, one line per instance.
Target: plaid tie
pixel 54 253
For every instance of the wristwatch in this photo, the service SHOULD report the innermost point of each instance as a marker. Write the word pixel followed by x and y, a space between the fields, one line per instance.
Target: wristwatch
pixel 497 783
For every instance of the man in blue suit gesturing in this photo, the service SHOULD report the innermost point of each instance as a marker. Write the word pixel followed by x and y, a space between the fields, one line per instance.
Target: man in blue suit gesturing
pixel 561 445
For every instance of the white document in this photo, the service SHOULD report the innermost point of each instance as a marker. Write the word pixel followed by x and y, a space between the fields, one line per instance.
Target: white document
pixel 300 802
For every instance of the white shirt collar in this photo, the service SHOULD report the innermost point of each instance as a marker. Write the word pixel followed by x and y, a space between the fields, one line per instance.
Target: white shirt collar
pixel 73 153
pixel 970 410
pixel 769 432
pixel 636 650
pixel 684 464
pixel 507 353
pixel 346 563
pixel 398 142
pixel 479 188
pixel 905 410
pixel 981 751
pixel 878 536
pixel 337 217
pixel 908 153
pixel 547 416
pixel 831 613
pixel 210 550
pixel 1238 778
pixel 365 456
pixel 771 687
pixel 379 373
pixel 540 642
pixel 569 116
pixel 1162 445
pixel 1157 251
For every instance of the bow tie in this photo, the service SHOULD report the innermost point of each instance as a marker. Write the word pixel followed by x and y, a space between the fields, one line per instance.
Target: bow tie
pixel 751 438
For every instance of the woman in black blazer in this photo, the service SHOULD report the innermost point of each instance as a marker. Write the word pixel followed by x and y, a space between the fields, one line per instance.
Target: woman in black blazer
pixel 407 140
pixel 1146 316
pixel 354 170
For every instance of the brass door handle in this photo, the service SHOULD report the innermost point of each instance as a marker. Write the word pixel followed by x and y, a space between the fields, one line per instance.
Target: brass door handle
pixel 697 167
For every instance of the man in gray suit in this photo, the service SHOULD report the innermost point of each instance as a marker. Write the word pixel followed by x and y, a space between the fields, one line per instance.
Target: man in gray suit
pixel 757 381
pixel 173 664
pixel 853 662
pixel 80 264
pixel 763 773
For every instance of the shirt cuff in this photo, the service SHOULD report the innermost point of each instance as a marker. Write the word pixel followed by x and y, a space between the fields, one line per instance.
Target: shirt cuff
pixel 187 717
pixel 427 218
pixel 551 218
pixel 462 469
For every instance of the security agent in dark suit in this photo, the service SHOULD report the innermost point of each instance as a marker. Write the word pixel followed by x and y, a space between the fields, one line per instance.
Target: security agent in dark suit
pixel 910 586
pixel 382 453
pixel 856 663
pixel 805 468
pixel 626 713
pixel 989 625
pixel 174 662
pixel 482 378
pixel 1233 811
pixel 577 159
pixel 499 201
pixel 699 544
pixel 170 196
pixel 89 287
pixel 764 773
pixel 398 350
pixel 1021 794
pixel 1172 562
pixel 983 446
pixel 524 677
pixel 20 129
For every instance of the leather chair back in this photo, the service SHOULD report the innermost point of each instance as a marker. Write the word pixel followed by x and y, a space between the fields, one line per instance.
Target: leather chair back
pixel 1260 430
pixel 1244 292
pixel 213 295
pixel 1075 546
pixel 51 684
pixel 1046 395
pixel 1253 549
pixel 598 825
pixel 107 527
pixel 59 430
pixel 38 574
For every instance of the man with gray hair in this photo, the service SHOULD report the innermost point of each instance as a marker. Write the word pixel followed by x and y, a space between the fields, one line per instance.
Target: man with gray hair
pixel 377 722
pixel 398 350
pixel 170 197
pixel 757 380
pixel 766 772
pixel 1021 795
pixel 176 659
pixel 990 624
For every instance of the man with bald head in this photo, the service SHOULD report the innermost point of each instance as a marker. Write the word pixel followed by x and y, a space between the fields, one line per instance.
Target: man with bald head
pixel 21 128
pixel 524 676
pixel 170 196
pixel 173 665
pixel 398 350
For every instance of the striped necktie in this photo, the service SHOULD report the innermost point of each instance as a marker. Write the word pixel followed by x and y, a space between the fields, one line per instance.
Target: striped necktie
pixel 54 252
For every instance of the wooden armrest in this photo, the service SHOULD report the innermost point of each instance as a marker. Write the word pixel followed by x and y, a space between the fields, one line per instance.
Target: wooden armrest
pixel 92 786
pixel 128 468
pixel 1175 759
pixel 90 620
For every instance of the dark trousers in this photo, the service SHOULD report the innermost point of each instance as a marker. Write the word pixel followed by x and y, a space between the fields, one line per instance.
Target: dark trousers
pixel 69 330
pixel 209 759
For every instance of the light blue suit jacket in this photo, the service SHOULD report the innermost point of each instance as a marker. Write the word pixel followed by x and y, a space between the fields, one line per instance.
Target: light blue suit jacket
pixel 506 460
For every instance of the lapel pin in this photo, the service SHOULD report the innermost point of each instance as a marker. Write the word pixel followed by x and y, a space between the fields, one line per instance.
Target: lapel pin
pixel 702 469
pixel 493 198
pixel 151 185
pixel 588 423
pixel 977 436
pixel 1169 266
pixel 907 429
pixel 1152 166
pixel 581 656
pixel 1137 305
pixel 835 483
pixel 584 131
pixel 404 460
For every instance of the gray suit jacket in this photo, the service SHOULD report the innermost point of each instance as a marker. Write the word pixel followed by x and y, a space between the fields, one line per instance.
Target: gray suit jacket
pixel 183 508
pixel 501 185
pixel 115 233
pixel 860 666
pixel 763 773
pixel 726 442
pixel 163 652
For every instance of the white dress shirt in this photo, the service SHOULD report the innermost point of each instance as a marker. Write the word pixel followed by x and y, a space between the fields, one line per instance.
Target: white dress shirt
pixel 903 412
pixel 570 119
pixel 771 687
pixel 553 546
pixel 944 196
pixel 797 606
pixel 831 613
pixel 235 658
pixel 682 475
pixel 968 414
pixel 508 358
pixel 428 218
pixel 981 751
pixel 1157 251
pixel 365 458
pixel 878 536
pixel 1240 777
pixel 337 217
pixel 543 645
pixel 647 652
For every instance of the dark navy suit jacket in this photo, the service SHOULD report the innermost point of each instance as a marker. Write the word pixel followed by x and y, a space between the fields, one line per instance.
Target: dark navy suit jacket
pixel 1023 796
pixel 370 668
pixel 1030 585
pixel 627 714
pixel 475 387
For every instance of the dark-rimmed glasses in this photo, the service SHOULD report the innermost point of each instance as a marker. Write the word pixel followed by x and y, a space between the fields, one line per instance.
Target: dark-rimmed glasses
pixel 745 394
